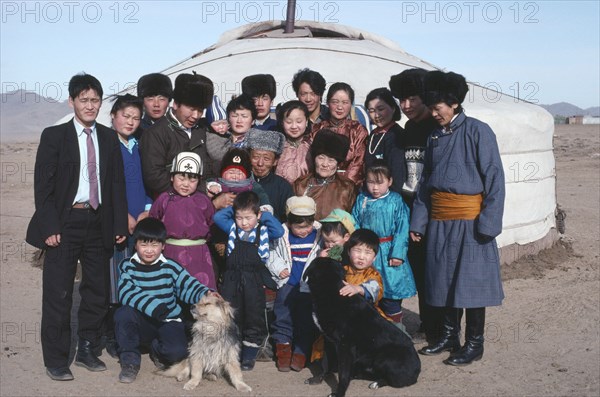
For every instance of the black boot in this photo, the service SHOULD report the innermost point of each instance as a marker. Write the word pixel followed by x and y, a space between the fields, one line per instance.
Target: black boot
pixel 248 357
pixel 473 348
pixel 87 358
pixel 450 334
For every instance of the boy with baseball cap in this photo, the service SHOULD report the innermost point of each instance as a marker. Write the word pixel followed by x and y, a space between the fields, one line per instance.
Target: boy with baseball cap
pixel 293 328
pixel 336 230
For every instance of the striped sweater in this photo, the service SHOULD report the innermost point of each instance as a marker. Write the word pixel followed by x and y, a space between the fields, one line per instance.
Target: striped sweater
pixel 154 289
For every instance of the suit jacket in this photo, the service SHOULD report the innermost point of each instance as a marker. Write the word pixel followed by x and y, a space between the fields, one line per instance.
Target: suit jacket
pixel 56 179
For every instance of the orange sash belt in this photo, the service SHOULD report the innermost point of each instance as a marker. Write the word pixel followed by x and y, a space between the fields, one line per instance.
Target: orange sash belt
pixel 450 206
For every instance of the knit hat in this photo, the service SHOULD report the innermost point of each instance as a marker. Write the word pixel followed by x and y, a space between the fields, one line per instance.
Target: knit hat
pixel 236 159
pixel 154 84
pixel 193 90
pixel 272 141
pixel 258 85
pixel 188 163
pixel 301 206
pixel 450 88
pixel 330 144
pixel 339 215
pixel 408 83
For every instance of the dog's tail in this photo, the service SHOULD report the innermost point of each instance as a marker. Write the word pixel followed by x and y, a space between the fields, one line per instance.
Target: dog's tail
pixel 174 370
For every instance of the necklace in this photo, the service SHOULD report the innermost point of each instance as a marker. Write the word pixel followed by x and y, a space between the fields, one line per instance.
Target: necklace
pixel 373 150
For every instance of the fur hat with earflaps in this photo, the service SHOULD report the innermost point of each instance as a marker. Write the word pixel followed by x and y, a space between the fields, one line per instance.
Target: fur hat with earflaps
pixel 236 158
pixel 154 84
pixel 330 144
pixel 272 141
pixel 258 85
pixel 408 83
pixel 450 88
pixel 187 163
pixel 193 90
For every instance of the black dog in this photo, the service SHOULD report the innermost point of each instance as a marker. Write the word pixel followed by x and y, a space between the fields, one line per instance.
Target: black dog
pixel 367 345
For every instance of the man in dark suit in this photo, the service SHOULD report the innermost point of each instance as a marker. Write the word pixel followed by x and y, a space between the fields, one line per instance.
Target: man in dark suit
pixel 80 212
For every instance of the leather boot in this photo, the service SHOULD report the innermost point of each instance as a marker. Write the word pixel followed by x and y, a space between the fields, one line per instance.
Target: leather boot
pixel 450 334
pixel 87 358
pixel 283 351
pixel 298 362
pixel 473 348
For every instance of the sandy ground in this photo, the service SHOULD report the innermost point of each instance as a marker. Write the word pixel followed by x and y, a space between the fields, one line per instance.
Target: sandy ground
pixel 544 339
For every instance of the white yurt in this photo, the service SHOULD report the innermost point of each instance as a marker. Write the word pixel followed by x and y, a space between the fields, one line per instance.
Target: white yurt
pixel 366 61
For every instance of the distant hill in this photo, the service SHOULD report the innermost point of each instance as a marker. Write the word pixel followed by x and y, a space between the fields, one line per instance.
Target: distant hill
pixel 566 109
pixel 25 114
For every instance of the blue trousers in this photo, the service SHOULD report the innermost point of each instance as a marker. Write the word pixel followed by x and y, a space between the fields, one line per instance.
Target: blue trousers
pixel 293 319
pixel 133 329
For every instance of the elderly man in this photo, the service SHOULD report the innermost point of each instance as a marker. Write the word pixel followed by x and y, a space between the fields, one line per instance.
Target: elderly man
pixel 265 148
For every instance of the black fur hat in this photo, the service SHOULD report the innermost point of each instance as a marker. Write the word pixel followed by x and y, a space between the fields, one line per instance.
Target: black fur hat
pixel 330 144
pixel 193 90
pixel 450 88
pixel 259 84
pixel 408 83
pixel 154 84
pixel 236 158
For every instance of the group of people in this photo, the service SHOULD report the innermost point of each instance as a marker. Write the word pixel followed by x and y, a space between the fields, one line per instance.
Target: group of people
pixel 184 197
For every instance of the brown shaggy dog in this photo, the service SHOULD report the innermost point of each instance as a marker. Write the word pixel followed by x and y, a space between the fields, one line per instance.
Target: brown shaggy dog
pixel 215 346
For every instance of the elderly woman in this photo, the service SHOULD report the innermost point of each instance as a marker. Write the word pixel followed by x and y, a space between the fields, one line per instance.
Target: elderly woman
pixel 340 99
pixel 459 207
pixel 325 185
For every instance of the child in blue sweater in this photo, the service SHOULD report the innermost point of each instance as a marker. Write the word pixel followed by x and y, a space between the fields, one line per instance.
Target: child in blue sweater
pixel 149 289
pixel 246 274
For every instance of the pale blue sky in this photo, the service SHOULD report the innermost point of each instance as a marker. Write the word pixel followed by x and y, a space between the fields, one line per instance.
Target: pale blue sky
pixel 550 50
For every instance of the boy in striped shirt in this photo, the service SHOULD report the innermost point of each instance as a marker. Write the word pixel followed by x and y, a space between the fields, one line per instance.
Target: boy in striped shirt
pixel 293 328
pixel 150 316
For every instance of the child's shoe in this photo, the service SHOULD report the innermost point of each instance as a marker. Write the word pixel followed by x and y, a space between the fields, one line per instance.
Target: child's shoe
pixel 128 373
pixel 248 357
pixel 298 362
pixel 112 347
pixel 283 351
